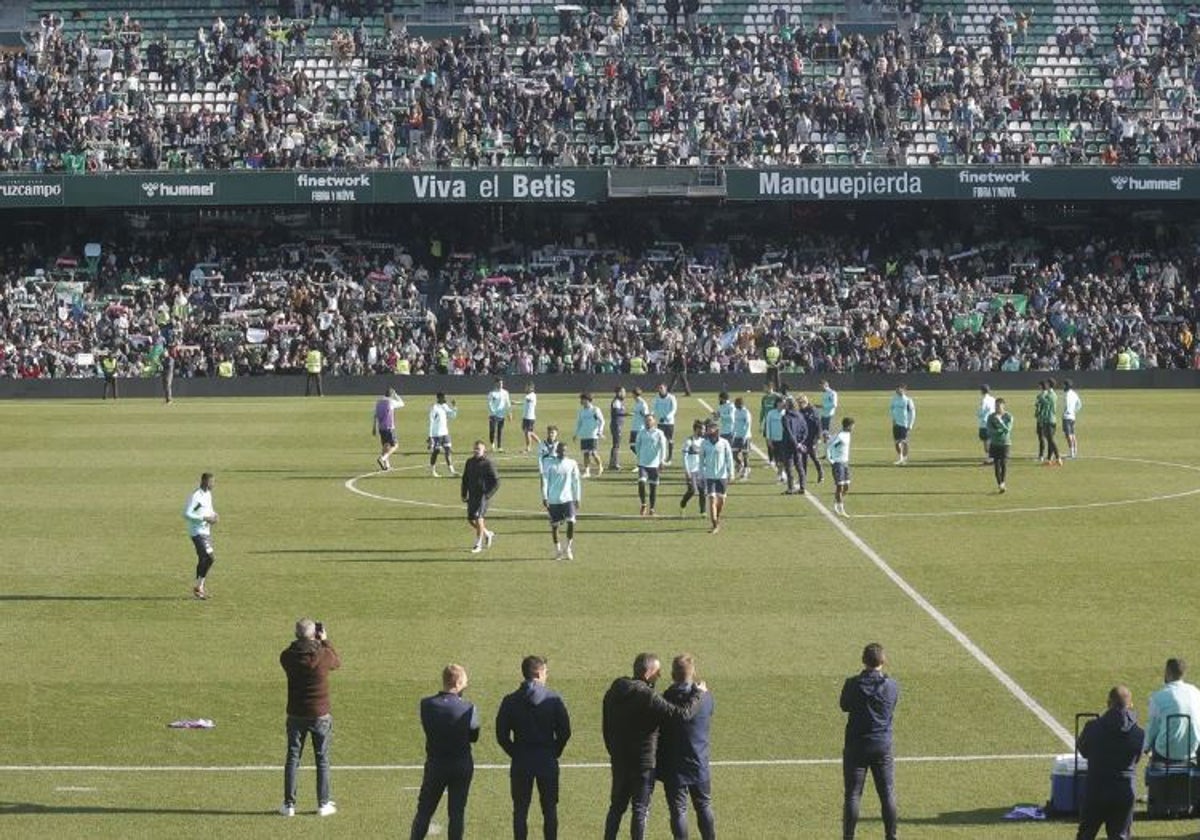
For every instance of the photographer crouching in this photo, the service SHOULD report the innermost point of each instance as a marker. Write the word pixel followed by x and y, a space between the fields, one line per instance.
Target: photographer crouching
pixel 307 663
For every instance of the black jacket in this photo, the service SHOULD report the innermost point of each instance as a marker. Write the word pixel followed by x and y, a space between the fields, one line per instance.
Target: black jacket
pixel 870 698
pixel 795 433
pixel 1112 745
pixel 533 726
pixel 631 716
pixel 479 478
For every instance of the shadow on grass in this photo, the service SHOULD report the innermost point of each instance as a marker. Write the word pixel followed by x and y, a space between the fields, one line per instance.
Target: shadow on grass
pixel 88 598
pixel 460 555
pixel 976 816
pixel 13 809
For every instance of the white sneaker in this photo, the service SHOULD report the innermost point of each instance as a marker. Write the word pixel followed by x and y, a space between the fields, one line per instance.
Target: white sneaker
pixel 286 810
pixel 452 470
pixel 382 464
pixel 489 536
pixel 478 547
pixel 327 810
pixel 433 472
pixel 558 553
pixel 570 552
pixel 587 473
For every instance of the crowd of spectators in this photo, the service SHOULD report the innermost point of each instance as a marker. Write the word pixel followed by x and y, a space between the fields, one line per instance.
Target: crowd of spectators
pixel 615 89
pixel 830 304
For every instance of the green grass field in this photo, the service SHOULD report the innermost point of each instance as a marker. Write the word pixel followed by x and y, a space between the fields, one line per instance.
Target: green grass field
pixel 1077 578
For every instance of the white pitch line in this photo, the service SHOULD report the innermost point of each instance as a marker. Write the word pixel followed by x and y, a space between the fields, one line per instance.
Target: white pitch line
pixel 939 617
pixel 581 765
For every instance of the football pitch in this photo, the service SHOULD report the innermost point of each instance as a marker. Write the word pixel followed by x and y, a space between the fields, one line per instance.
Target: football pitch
pixel 1002 616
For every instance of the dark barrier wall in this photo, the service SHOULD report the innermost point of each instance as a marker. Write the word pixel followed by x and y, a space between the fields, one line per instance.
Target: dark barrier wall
pixel 293 386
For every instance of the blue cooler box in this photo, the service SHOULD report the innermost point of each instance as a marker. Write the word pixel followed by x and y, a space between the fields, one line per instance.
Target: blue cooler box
pixel 1066 788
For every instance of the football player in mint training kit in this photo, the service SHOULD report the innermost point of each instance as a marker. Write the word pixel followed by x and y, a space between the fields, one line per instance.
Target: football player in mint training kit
pixel 201 516
pixel 904 417
pixel 548 448
pixel 529 418
pixel 562 493
pixel 773 429
pixel 724 415
pixel 743 424
pixel 1071 406
pixel 638 422
pixel 829 405
pixel 499 404
pixel 665 407
pixel 589 428
pixel 692 477
pixel 716 462
pixel 838 453
pixel 440 415
pixel 651 452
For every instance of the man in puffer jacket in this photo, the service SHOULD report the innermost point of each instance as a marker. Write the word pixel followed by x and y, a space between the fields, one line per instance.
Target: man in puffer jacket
pixel 870 701
pixel 1112 745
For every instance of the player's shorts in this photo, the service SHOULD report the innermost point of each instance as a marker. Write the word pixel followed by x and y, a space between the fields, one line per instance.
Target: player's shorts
pixel 714 487
pixel 442 442
pixel 587 445
pixel 997 451
pixel 1068 426
pixel 899 433
pixel 476 507
pixel 779 452
pixel 203 545
pixel 825 423
pixel 560 513
pixel 495 421
pixel 528 424
pixel 841 472
pixel 387 437
pixel 738 444
pixel 983 435
pixel 728 438
pixel 668 429
pixel 648 474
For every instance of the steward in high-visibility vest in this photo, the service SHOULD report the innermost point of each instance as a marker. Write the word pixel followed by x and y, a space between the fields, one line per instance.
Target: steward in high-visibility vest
pixel 108 367
pixel 637 366
pixel 312 364
pixel 403 367
pixel 1124 360
pixel 773 354
pixel 935 365
pixel 225 369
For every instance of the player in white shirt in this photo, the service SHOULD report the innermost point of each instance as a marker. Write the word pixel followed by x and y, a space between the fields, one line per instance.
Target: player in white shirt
pixel 562 493
pixel 637 422
pixel 201 516
pixel 987 405
pixel 529 418
pixel 1071 406
pixel 692 476
pixel 499 404
pixel 838 454
pixel 440 415
pixel 829 406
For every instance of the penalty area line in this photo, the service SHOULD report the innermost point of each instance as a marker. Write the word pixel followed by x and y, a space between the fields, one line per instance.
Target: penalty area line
pixel 977 653
pixel 579 765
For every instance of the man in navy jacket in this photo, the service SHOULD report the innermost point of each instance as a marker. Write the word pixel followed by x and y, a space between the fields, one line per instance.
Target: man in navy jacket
pixel 683 751
pixel 451 725
pixel 870 701
pixel 1112 745
pixel 795 435
pixel 533 728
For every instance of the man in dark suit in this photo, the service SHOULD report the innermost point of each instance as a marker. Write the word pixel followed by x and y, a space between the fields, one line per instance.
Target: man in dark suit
pixel 533 728
pixel 451 725
pixel 1112 745
pixel 683 750
pixel 632 715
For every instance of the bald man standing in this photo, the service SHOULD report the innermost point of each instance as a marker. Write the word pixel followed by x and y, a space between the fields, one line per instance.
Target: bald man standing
pixel 1112 745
